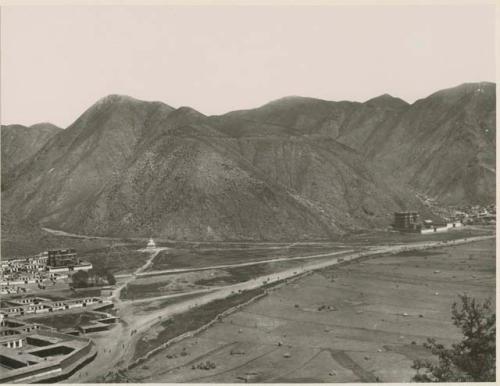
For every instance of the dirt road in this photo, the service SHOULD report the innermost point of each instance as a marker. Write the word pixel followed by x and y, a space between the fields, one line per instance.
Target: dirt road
pixel 128 278
pixel 236 265
pixel 67 234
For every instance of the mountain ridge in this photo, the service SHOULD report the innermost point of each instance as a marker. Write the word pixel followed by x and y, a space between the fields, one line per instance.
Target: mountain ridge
pixel 295 168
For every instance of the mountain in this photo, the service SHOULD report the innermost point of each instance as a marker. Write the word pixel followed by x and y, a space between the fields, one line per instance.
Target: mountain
pixel 295 168
pixel 442 146
pixel 74 165
pixel 127 167
pixel 20 143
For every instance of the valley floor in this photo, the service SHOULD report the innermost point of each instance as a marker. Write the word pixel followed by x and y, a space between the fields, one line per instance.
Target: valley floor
pixel 357 322
pixel 359 316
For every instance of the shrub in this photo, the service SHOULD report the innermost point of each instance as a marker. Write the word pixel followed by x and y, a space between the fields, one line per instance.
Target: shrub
pixel 473 358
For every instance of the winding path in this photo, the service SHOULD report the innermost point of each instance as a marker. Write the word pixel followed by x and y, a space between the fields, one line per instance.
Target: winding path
pixel 128 278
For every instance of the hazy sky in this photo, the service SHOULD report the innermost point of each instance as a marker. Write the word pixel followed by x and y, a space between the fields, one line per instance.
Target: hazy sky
pixel 57 61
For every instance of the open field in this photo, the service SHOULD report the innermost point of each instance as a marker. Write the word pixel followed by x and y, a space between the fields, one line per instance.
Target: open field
pixel 72 294
pixel 65 320
pixel 150 305
pixel 151 286
pixel 392 237
pixel 29 239
pixel 22 244
pixel 118 260
pixel 357 322
pixel 219 254
pixel 205 270
pixel 188 321
pixel 60 294
pixel 150 298
pixel 197 255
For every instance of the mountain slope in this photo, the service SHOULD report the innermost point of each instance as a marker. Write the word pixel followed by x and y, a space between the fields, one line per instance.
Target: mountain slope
pixel 442 145
pixel 20 143
pixel 74 165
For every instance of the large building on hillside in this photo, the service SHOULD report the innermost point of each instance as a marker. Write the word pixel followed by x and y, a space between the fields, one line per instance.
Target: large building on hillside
pixel 410 222
pixel 407 221
pixel 65 260
pixel 62 258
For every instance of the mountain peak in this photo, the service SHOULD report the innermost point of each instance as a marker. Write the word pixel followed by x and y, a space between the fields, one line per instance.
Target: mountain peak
pixel 387 101
pixel 47 126
pixel 116 98
pixel 115 104
pixel 292 99
pixel 119 99
pixel 185 115
pixel 189 111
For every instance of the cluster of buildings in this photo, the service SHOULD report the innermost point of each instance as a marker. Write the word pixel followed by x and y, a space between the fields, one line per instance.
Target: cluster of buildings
pixel 410 222
pixel 41 339
pixel 467 214
pixel 39 305
pixel 34 352
pixel 477 214
pixel 31 353
pixel 17 275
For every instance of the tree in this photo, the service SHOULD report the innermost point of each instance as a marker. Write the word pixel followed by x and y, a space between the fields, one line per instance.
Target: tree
pixel 80 279
pixel 92 278
pixel 110 278
pixel 472 359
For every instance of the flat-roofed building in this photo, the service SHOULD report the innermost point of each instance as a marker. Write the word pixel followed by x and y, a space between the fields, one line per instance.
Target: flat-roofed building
pixel 46 356
pixel 62 258
pixel 65 260
pixel 407 221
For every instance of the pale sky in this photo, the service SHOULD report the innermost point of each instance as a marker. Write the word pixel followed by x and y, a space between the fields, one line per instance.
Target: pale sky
pixel 57 61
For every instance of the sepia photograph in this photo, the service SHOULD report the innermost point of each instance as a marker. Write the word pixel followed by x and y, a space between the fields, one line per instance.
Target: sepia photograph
pixel 248 191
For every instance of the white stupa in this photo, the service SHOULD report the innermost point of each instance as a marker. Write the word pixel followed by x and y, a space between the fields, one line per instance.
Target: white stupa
pixel 151 244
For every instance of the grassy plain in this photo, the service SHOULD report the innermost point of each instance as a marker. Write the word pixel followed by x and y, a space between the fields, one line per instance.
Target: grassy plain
pixel 358 322
pixel 189 321
pixel 65 320
pixel 223 254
